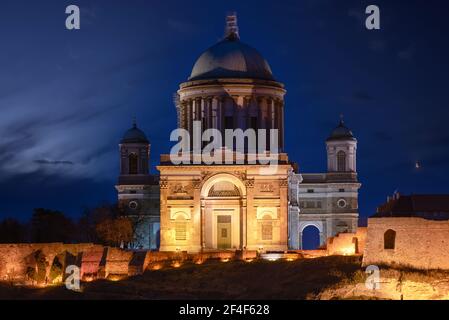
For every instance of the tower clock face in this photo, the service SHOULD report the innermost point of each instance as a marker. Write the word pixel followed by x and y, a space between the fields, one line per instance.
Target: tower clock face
pixel 133 205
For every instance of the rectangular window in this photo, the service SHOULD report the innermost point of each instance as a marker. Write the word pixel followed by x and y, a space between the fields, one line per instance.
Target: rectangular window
pixel 181 231
pixel 267 231
pixel 341 190
pixel 310 191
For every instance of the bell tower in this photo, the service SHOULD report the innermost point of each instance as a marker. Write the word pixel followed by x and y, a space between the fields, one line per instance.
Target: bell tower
pixel 341 150
pixel 134 152
pixel 138 190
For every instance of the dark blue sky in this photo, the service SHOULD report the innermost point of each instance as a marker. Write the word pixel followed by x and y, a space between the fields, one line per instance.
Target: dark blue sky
pixel 66 97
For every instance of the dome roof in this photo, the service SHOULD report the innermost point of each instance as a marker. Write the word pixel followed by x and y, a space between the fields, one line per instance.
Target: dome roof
pixel 135 135
pixel 341 133
pixel 230 58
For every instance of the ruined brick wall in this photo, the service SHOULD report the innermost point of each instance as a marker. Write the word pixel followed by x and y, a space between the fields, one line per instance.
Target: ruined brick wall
pixel 117 261
pixel 347 243
pixel 94 261
pixel 419 243
pixel 15 259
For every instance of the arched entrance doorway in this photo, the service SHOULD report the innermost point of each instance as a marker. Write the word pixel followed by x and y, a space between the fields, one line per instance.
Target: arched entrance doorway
pixel 311 235
pixel 310 238
pixel 222 208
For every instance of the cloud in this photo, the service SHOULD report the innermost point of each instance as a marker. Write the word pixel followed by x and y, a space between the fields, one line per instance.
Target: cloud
pixel 88 14
pixel 407 54
pixel 383 136
pixel 358 14
pixel 181 26
pixel 377 45
pixel 54 162
pixel 362 96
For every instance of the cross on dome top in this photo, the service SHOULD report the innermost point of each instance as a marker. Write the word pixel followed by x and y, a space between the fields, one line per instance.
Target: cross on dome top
pixel 232 28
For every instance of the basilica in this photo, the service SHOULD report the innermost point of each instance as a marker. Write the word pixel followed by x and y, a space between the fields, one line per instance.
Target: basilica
pixel 194 206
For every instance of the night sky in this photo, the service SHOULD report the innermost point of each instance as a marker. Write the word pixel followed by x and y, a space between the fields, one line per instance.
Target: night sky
pixel 67 97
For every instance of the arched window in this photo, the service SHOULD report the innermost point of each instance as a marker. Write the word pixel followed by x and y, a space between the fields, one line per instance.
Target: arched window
pixel 180 229
pixel 267 228
pixel 224 189
pixel 341 161
pixel 132 162
pixel 389 239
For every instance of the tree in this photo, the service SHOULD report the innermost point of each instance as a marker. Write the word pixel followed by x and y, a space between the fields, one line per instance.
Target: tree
pixel 86 227
pixel 12 231
pixel 115 231
pixel 51 226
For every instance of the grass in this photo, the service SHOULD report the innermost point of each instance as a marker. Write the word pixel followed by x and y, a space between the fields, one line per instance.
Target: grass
pixel 234 280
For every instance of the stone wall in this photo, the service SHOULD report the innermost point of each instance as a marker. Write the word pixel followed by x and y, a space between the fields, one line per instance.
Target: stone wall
pixel 347 243
pixel 419 243
pixel 38 263
pixel 46 263
pixel 15 259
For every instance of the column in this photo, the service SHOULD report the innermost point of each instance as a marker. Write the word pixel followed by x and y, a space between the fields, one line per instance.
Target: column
pixel 250 233
pixel 195 109
pixel 322 238
pixel 203 224
pixel 281 116
pixel 293 228
pixel 197 217
pixel 283 214
pixel 188 114
pixel 209 112
pixel 203 115
pixel 243 221
pixel 241 111
pixel 166 241
pixel 221 112
pixel 215 113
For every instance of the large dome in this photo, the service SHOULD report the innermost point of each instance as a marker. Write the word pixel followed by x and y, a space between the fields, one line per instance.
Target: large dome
pixel 230 58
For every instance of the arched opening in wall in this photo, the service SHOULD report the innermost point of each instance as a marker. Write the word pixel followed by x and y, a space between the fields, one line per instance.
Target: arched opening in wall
pixel 132 163
pixel 389 239
pixel 341 161
pixel 222 211
pixel 310 238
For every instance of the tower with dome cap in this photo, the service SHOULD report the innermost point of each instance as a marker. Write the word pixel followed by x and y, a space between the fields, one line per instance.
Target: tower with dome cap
pixel 328 202
pixel 341 150
pixel 138 190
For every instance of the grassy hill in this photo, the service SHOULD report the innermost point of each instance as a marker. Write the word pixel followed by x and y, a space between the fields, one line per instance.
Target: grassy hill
pixel 212 280
pixel 334 277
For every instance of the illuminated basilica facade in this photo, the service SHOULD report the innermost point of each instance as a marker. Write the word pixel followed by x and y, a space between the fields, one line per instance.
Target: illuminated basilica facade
pixel 235 206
